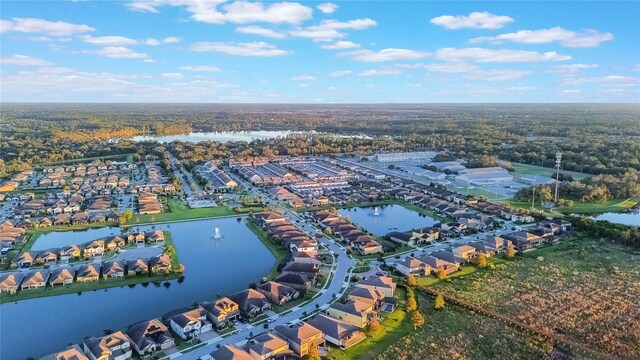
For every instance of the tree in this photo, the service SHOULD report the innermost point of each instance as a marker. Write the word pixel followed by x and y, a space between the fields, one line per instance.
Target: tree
pixel 416 319
pixel 511 250
pixel 411 280
pixel 411 304
pixel 481 260
pixel 442 273
pixel 439 302
pixel 313 354
pixel 328 231
pixel 374 326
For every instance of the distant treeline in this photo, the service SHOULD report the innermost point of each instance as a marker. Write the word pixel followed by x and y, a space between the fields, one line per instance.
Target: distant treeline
pixel 594 138
pixel 628 235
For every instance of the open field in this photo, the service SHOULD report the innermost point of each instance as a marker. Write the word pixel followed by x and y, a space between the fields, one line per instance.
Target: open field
pixel 582 289
pixel 395 328
pixel 118 157
pixel 180 211
pixel 613 205
pixel 526 169
pixel 456 333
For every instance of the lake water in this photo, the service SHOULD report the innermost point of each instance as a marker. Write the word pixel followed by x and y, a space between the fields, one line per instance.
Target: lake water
pixel 387 218
pixel 630 218
pixel 41 326
pixel 226 136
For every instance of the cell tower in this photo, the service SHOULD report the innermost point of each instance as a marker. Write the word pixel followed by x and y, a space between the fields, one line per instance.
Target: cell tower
pixel 558 163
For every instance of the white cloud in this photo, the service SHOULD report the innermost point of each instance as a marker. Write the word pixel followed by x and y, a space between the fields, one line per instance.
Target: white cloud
pixel 329 30
pixel 258 30
pixel 475 20
pixel 239 12
pixel 171 40
pixel 572 92
pixel 23 60
pixel 568 38
pixel 571 69
pixel 341 45
pixel 504 55
pixel 452 67
pixel 619 80
pixel 172 75
pixel 340 73
pixel 413 85
pixel 391 54
pixel 380 72
pixel 327 8
pixel 201 68
pixel 108 40
pixel 113 40
pixel 497 75
pixel 118 52
pixel 303 78
pixel 260 49
pixel 50 28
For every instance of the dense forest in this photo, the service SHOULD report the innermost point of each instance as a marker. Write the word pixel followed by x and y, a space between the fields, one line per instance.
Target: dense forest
pixel 594 138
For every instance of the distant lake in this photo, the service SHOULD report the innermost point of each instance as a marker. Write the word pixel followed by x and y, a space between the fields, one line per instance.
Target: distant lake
pixel 387 218
pixel 630 218
pixel 225 136
pixel 230 136
pixel 212 266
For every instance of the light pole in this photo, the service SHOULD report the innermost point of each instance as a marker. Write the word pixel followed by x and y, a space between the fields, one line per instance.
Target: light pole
pixel 558 162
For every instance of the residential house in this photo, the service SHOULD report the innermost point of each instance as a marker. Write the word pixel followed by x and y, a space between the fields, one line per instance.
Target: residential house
pixel 155 236
pixel 296 280
pixel 301 337
pixel 221 312
pixel 266 346
pixel 74 352
pixel 149 337
pixel 524 241
pixel 112 269
pixel 337 332
pixel 436 264
pixel 25 260
pixel 277 293
pixel 190 324
pixel 310 270
pixel 250 302
pixel 382 284
pixel 115 242
pixel 230 352
pixel 448 256
pixel 70 252
pixel 366 295
pixel 93 248
pixel 160 264
pixel 35 279
pixel 496 242
pixel 413 266
pixel 136 238
pixel 356 313
pixel 62 276
pixel 137 267
pixel 87 273
pixel 49 256
pixel 10 282
pixel 465 252
pixel 116 346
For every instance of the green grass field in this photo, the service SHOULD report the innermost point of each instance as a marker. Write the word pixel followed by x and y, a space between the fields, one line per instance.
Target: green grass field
pixel 278 251
pixel 179 210
pixel 127 157
pixel 614 205
pixel 395 328
pixel 526 169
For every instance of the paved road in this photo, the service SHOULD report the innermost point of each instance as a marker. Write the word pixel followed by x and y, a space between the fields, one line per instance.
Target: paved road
pixel 331 292
pixel 180 175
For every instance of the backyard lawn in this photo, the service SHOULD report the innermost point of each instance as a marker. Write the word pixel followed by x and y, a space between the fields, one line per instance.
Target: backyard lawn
pixel 278 251
pixel 395 328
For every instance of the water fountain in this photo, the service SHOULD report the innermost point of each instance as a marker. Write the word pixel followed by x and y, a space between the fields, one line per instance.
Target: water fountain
pixel 216 234
pixel 376 211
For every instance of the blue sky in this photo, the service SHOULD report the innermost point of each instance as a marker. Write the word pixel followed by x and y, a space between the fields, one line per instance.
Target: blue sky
pixel 315 52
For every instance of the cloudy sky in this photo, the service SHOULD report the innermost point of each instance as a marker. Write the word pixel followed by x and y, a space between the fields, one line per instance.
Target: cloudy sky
pixel 315 52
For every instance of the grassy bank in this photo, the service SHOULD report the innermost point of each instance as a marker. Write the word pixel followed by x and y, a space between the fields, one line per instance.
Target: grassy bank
pixel 179 210
pixel 278 251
